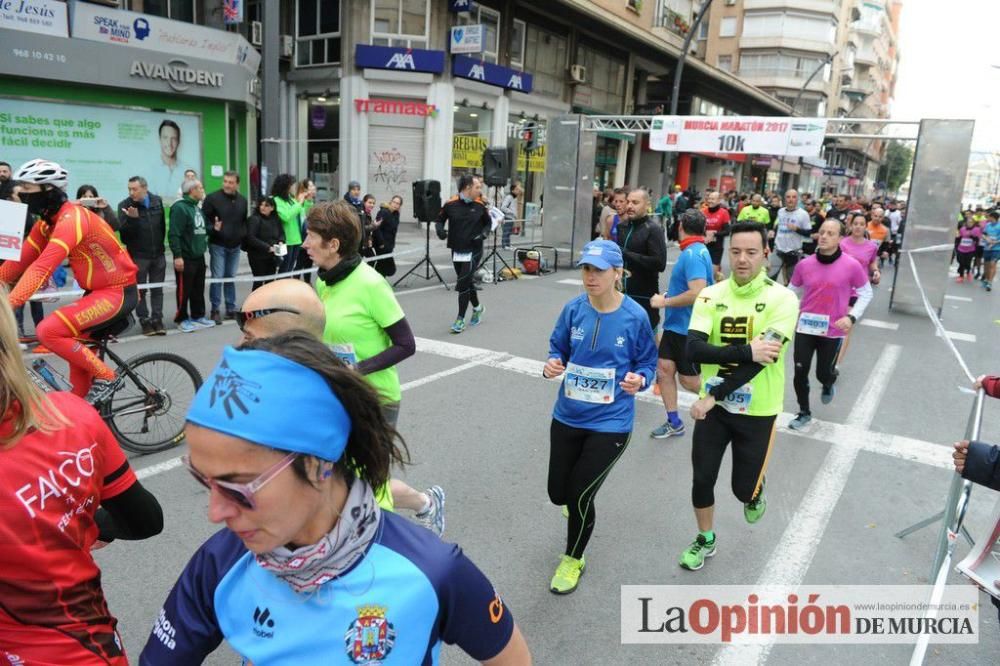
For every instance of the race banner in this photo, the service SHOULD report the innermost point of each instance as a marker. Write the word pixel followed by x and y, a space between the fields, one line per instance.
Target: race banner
pixel 761 135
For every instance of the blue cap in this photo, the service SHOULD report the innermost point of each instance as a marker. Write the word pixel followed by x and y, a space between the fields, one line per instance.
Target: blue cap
pixel 602 254
pixel 259 396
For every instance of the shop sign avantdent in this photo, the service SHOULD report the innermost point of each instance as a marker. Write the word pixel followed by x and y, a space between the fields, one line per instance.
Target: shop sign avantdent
pixel 177 74
pixel 396 106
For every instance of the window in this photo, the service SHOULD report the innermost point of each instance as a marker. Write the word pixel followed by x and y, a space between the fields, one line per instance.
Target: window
pixel 703 28
pixel 517 36
pixel 781 64
pixel 725 63
pixel 490 20
pixel 727 26
pixel 545 56
pixel 605 77
pixel 179 10
pixel 317 26
pixel 800 26
pixel 400 23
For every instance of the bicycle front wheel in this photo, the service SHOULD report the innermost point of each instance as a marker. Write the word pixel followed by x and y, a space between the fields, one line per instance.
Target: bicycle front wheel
pixel 147 412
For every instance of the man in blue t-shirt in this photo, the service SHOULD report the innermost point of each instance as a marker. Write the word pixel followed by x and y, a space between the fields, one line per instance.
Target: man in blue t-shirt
pixel 691 274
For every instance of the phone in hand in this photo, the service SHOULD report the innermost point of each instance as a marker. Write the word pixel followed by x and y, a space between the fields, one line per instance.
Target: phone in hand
pixel 89 202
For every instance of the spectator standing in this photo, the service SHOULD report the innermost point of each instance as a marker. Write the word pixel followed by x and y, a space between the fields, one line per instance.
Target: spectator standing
pixel 264 241
pixel 387 224
pixel 89 198
pixel 665 210
pixel 226 213
pixel 143 231
pixel 607 213
pixel 5 172
pixel 303 262
pixel 289 207
pixel 8 192
pixel 509 209
pixel 188 243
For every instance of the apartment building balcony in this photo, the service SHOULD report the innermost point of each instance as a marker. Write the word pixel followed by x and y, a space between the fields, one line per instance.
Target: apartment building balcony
pixel 788 42
pixel 781 78
pixel 818 6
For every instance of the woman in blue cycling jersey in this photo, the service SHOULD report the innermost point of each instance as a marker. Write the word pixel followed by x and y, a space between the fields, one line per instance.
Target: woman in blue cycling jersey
pixel 309 570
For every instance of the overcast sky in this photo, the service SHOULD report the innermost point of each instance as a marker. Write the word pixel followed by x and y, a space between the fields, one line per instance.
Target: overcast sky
pixel 946 53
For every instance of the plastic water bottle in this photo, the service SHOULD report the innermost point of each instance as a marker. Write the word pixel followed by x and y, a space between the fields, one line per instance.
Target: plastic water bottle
pixel 51 376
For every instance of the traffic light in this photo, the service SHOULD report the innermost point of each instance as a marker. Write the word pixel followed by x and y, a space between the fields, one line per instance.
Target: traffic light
pixel 529 134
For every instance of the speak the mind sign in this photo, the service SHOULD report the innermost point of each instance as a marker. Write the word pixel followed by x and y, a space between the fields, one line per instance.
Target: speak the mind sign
pixel 12 217
pixel 761 135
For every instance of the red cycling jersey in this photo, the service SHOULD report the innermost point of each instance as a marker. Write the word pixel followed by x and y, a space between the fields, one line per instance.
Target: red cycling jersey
pixel 716 220
pixel 98 259
pixel 52 608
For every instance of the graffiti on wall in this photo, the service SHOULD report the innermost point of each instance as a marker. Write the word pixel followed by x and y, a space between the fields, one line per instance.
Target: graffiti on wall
pixel 388 168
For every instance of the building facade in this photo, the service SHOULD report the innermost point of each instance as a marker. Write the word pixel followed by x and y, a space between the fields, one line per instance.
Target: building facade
pixel 112 93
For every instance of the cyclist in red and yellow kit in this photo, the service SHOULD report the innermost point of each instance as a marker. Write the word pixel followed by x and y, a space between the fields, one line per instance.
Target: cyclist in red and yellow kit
pixel 100 264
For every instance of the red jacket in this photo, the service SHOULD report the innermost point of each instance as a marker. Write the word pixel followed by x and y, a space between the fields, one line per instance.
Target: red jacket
pixel 991 384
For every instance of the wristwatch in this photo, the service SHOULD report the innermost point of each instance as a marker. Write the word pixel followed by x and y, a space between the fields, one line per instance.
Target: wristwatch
pixel 854 320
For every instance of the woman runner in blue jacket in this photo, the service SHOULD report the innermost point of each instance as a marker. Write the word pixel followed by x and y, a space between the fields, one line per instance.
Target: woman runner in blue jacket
pixel 604 350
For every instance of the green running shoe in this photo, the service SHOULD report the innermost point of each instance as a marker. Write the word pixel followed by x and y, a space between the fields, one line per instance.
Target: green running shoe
pixel 458 326
pixel 477 315
pixel 693 558
pixel 754 510
pixel 567 575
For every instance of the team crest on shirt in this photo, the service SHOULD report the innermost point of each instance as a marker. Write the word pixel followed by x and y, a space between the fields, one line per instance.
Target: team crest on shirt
pixel 759 307
pixel 370 637
pixel 577 333
pixel 620 341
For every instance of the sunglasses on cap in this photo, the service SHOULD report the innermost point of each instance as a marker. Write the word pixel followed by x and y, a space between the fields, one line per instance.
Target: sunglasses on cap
pixel 243 317
pixel 240 493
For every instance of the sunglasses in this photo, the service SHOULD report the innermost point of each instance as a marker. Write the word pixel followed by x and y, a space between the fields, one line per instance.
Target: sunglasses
pixel 243 317
pixel 240 493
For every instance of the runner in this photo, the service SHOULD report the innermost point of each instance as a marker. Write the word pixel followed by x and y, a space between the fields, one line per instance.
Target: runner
pixel 619 205
pixel 716 228
pixel 100 265
pixel 469 223
pixel 644 249
pixel 309 567
pixel 865 252
pixel 791 230
pixel 692 273
pixel 60 464
pixel 968 239
pixel 755 212
pixel 991 251
pixel 603 349
pixel 880 233
pixel 824 283
pixel 738 330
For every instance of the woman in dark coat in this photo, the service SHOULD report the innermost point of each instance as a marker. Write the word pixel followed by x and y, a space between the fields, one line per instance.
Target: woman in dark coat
pixel 265 239
pixel 386 226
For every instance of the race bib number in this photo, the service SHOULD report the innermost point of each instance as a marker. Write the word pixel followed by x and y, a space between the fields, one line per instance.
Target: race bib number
pixel 737 402
pixel 461 257
pixel 345 353
pixel 585 384
pixel 968 241
pixel 811 323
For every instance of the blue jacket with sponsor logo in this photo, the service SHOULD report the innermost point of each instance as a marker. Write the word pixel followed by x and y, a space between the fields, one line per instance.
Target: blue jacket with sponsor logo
pixel 597 341
pixel 410 592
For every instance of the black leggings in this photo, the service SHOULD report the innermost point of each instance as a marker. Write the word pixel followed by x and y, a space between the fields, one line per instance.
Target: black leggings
pixel 579 461
pixel 751 437
pixel 466 288
pixel 965 262
pixel 826 350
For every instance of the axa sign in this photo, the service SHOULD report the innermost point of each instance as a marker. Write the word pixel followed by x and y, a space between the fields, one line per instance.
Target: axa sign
pixel 494 75
pixel 397 58
pixel 177 74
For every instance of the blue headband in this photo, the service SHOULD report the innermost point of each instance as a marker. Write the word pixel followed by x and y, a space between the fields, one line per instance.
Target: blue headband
pixel 267 399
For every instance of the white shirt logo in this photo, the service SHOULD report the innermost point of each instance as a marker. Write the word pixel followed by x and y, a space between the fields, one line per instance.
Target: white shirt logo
pixel 619 341
pixel 576 333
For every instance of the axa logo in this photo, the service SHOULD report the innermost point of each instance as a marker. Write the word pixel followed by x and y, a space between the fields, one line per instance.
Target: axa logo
pixel 515 82
pixel 263 625
pixel 477 72
pixel 401 61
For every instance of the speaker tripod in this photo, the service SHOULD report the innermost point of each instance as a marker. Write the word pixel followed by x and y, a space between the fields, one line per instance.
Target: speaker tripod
pixel 426 262
pixel 495 253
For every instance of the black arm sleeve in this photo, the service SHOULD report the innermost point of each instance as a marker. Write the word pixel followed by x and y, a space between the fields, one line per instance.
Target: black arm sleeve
pixel 743 373
pixel 403 346
pixel 804 232
pixel 700 351
pixel 133 515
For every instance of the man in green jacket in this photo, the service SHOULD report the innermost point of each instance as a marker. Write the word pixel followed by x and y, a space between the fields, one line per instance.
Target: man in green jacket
pixel 188 243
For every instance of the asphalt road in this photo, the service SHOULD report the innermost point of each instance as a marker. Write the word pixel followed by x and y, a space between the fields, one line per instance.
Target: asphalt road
pixel 475 413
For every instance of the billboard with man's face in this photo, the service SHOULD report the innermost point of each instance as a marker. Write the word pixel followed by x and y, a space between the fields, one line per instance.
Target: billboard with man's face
pixel 104 146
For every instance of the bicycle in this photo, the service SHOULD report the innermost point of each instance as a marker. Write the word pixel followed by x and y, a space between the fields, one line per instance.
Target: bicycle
pixel 151 399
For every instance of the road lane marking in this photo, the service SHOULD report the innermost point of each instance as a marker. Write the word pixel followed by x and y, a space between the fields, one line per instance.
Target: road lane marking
pixel 572 281
pixel 875 323
pixel 965 299
pixel 790 560
pixel 158 468
pixel 961 337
